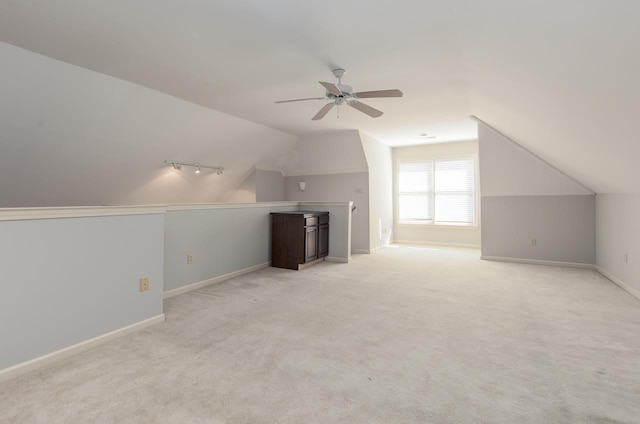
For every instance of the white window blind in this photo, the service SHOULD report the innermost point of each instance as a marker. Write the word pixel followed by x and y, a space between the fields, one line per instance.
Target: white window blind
pixel 416 191
pixel 437 192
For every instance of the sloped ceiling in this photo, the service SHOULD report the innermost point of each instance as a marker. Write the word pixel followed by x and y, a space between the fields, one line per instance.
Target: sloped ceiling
pixel 558 77
pixel 562 79
pixel 76 137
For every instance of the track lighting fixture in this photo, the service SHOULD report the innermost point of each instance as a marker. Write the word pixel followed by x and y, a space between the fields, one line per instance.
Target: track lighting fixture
pixel 178 166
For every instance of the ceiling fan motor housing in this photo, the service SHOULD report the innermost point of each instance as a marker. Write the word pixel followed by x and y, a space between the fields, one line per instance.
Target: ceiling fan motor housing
pixel 346 90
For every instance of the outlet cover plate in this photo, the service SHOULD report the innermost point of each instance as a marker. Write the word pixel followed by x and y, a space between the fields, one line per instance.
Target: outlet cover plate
pixel 144 284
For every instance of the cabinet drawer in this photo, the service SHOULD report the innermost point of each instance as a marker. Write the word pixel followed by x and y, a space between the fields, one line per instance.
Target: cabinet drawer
pixel 324 219
pixel 311 221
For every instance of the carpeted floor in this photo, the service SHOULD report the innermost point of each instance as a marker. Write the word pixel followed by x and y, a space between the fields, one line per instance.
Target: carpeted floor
pixel 407 335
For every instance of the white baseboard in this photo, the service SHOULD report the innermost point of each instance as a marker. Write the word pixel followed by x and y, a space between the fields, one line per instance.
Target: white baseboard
pixel 58 355
pixel 537 262
pixel 375 249
pixel 366 251
pixel 624 286
pixel 200 284
pixel 435 243
pixel 335 259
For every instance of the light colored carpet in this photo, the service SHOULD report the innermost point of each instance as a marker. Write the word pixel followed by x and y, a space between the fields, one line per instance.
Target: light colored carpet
pixel 407 335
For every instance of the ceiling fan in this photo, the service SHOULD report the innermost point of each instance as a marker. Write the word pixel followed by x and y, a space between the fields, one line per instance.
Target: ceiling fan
pixel 340 94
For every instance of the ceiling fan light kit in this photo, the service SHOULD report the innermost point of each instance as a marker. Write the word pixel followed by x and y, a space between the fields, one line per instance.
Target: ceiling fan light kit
pixel 340 94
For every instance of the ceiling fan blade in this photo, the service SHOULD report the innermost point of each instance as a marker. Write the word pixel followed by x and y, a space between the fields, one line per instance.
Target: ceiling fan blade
pixel 325 109
pixel 301 100
pixel 374 113
pixel 377 93
pixel 331 87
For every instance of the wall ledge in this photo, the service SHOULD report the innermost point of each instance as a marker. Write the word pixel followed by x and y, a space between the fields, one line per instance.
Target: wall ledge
pixel 59 355
pixel 344 203
pixel 205 206
pixel 304 173
pixel 19 214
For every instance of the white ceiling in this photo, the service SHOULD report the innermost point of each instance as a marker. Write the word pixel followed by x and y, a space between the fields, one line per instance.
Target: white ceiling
pixel 241 56
pixel 558 77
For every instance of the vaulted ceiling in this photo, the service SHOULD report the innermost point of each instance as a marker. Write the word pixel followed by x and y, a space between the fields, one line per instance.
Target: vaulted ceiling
pixel 558 77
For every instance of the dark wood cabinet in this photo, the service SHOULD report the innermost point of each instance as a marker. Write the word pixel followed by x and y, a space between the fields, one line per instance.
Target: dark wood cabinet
pixel 311 243
pixel 323 240
pixel 298 238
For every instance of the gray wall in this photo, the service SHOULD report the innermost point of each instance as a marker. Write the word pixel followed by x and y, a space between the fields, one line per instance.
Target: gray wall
pixel 337 187
pixel 523 197
pixel 224 239
pixel 68 280
pixel 220 240
pixel 335 168
pixel 269 186
pixel 563 226
pixel 339 227
pixel 617 235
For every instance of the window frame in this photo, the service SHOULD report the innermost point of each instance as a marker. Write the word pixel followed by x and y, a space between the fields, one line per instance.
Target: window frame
pixel 474 225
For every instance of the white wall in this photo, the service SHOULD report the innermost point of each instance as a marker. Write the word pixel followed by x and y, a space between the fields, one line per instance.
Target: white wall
pixel 245 192
pixel 71 136
pixel 328 153
pixel 269 186
pixel 525 198
pixel 510 170
pixel 617 235
pixel 71 279
pixel 430 233
pixel 380 161
pixel 337 187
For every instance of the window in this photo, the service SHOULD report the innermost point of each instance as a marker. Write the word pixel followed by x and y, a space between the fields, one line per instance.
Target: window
pixel 440 192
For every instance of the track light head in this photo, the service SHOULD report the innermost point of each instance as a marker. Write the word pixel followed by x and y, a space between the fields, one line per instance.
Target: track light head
pixel 197 165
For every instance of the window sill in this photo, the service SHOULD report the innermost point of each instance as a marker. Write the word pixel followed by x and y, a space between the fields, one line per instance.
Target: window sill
pixel 439 226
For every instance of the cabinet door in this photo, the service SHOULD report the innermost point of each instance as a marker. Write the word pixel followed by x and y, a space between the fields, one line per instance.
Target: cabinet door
pixel 323 240
pixel 311 244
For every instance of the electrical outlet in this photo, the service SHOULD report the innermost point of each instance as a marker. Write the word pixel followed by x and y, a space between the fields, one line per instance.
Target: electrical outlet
pixel 626 258
pixel 144 284
pixel 189 258
pixel 532 242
